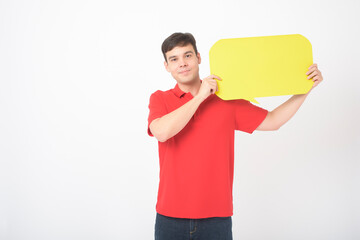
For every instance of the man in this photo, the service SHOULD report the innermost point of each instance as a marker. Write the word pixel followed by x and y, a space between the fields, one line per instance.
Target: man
pixel 195 130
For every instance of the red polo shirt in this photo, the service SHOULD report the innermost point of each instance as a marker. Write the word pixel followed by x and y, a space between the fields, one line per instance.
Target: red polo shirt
pixel 197 164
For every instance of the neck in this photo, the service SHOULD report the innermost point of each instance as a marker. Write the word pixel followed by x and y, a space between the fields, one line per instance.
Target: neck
pixel 193 87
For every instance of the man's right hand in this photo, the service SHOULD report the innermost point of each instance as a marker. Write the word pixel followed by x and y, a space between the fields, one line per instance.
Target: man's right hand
pixel 208 86
pixel 170 124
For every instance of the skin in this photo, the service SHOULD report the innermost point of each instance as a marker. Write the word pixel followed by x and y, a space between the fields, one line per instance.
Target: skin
pixel 183 64
pixel 283 113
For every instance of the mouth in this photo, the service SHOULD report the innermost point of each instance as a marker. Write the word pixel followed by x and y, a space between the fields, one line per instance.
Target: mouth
pixel 184 71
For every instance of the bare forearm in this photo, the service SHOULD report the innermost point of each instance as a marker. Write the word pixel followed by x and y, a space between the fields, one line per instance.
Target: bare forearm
pixel 287 110
pixel 172 123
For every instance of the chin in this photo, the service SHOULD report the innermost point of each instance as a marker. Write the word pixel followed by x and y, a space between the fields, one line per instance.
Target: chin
pixel 186 81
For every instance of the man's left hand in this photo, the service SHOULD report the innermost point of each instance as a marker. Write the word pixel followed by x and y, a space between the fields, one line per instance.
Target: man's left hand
pixel 315 75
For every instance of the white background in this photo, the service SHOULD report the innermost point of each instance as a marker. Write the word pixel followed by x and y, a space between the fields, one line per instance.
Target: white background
pixel 75 81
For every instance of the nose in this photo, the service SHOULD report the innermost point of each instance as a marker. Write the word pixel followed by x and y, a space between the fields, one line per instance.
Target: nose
pixel 183 62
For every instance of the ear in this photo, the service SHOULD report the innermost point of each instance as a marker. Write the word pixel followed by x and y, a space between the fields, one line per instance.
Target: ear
pixel 198 56
pixel 166 66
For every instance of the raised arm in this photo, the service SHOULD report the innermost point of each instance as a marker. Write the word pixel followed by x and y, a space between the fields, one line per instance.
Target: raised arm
pixel 172 123
pixel 280 115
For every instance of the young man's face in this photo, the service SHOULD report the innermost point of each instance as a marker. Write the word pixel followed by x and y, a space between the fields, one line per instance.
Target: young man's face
pixel 183 64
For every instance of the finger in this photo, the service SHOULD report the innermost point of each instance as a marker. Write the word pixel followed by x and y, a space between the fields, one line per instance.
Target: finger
pixel 317 78
pixel 213 88
pixel 313 65
pixel 311 70
pixel 215 77
pixel 212 82
pixel 315 73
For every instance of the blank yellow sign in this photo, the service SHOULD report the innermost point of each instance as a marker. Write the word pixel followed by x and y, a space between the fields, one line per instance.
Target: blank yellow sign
pixel 261 66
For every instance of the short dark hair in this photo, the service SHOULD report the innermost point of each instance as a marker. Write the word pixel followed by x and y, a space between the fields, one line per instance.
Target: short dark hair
pixel 178 40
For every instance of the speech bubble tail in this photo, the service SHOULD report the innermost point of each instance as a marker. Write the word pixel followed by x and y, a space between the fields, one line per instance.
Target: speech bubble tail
pixel 253 100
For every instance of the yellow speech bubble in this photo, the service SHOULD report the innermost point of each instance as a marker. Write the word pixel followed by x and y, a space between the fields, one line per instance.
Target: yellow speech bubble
pixel 261 66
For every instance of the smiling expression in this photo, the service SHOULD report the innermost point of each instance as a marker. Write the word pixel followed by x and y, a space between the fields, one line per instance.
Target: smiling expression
pixel 183 64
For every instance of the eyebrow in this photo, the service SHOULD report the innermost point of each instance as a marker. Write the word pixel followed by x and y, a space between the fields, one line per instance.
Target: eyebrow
pixel 184 54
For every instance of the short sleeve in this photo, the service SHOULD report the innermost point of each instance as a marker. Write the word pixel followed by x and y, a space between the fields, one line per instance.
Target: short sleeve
pixel 248 116
pixel 157 108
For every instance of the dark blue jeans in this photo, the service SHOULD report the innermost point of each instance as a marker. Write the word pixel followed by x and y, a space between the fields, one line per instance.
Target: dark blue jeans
pixel 215 228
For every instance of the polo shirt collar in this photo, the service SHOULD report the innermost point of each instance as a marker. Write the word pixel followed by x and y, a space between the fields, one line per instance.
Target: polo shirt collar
pixel 178 92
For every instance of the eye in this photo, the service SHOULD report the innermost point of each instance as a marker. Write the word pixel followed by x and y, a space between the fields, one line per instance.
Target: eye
pixel 188 55
pixel 173 60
